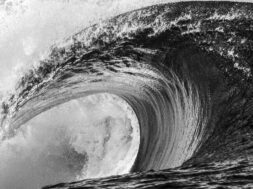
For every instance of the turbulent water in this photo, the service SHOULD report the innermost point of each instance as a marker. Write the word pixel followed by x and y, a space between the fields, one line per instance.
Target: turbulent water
pixel 180 80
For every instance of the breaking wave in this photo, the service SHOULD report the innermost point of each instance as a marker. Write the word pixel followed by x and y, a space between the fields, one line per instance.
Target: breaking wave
pixel 175 95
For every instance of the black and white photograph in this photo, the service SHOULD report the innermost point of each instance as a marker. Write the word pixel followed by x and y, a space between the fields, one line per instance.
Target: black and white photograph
pixel 126 94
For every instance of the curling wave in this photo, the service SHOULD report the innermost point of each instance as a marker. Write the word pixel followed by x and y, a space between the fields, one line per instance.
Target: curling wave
pixel 189 88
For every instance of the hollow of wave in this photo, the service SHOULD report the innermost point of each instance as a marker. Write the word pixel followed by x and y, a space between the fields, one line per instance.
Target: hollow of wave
pixel 185 70
pixel 89 137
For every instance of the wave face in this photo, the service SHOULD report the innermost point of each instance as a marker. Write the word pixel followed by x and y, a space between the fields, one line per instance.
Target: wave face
pixel 184 69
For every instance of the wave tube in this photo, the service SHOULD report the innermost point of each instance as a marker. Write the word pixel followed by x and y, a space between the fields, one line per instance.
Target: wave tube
pixel 95 136
pixel 169 112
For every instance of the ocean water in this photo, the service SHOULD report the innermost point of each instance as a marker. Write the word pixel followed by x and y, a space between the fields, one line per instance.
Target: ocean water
pixel 126 94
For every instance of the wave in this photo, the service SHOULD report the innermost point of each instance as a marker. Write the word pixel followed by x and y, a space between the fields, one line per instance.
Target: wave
pixel 184 69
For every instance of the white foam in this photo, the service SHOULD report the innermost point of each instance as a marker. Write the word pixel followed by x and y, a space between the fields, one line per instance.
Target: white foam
pixel 51 147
